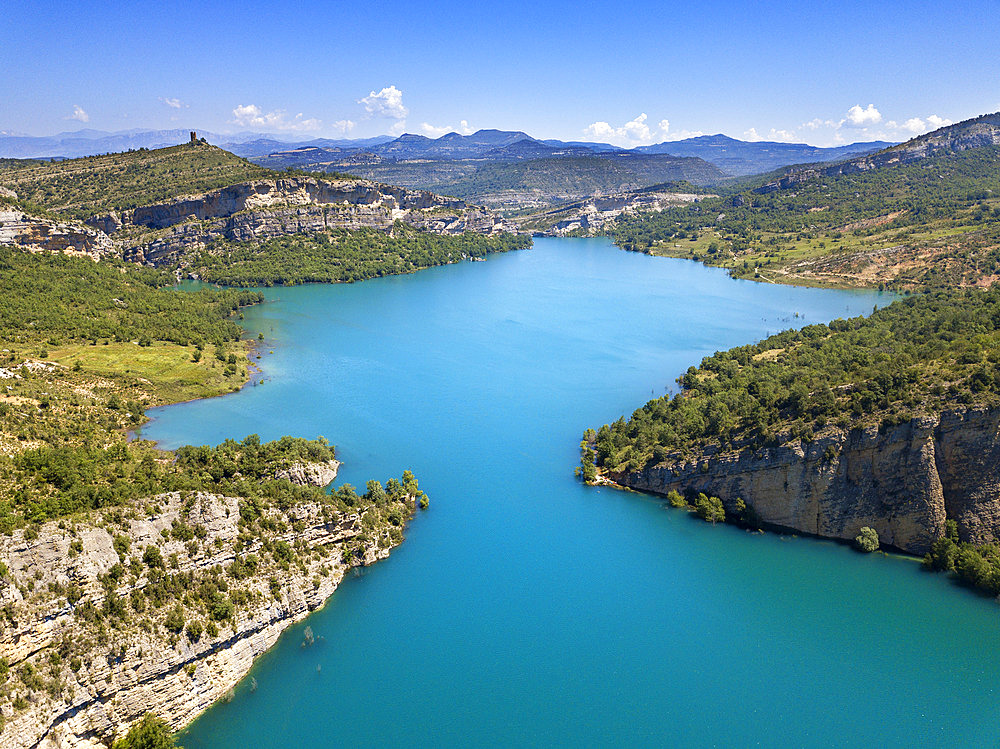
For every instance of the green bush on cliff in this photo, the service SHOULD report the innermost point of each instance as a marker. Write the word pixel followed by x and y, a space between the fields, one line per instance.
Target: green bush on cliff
pixel 150 732
pixel 710 509
pixel 676 499
pixel 976 565
pixel 867 540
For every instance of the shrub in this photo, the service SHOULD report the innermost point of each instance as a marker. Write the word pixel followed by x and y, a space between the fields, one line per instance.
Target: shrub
pixel 867 540
pixel 152 557
pixel 676 499
pixel 710 509
pixel 174 621
pixel 194 630
pixel 150 732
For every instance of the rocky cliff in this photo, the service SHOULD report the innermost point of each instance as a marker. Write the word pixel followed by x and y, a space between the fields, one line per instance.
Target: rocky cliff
pixel 599 214
pixel 903 482
pixel 263 209
pixel 18 227
pixel 88 637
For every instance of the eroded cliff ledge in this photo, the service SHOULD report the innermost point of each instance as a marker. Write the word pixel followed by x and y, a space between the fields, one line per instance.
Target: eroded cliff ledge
pixel 91 628
pixel 47 235
pixel 268 208
pixel 903 481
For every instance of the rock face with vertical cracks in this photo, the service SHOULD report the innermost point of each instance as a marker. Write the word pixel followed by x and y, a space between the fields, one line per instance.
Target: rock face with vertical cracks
pixel 268 208
pixel 57 577
pixel 903 481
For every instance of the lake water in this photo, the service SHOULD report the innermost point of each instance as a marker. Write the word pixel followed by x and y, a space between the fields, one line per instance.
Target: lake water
pixel 526 609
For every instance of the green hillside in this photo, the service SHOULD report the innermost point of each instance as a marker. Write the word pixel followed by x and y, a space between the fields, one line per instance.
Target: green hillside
pixel 80 188
pixel 929 223
pixel 342 256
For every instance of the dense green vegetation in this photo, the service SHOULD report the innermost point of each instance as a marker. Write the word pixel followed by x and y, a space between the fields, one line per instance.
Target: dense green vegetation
pixel 64 298
pixel 80 188
pixel 975 565
pixel 867 540
pixel 916 356
pixel 150 732
pixel 342 255
pixel 55 481
pixel 948 202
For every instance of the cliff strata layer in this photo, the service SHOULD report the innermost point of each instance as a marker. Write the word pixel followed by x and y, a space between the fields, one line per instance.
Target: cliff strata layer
pixel 902 481
pixel 90 643
pixel 45 235
pixel 264 209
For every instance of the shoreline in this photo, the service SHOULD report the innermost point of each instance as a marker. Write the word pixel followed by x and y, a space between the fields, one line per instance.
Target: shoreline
pixel 175 678
pixel 178 678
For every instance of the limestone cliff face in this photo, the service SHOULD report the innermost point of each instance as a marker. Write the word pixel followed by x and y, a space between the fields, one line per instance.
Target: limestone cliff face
pixel 310 474
pixel 263 209
pixel 600 213
pixel 44 235
pixel 124 671
pixel 903 482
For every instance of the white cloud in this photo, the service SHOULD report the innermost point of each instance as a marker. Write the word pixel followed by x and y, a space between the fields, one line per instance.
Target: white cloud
pixel 433 131
pixel 684 135
pixel 386 103
pixel 397 128
pixel 173 103
pixel 918 125
pixel 343 126
pixel 858 117
pixel 250 115
pixel 633 133
pixel 868 124
pixel 78 114
pixel 781 136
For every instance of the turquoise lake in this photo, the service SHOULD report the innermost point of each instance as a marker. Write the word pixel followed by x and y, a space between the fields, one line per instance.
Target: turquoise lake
pixel 527 609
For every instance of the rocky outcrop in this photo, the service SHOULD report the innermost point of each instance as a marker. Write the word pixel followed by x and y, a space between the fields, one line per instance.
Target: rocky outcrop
pixel 310 474
pixel 976 133
pixel 598 214
pixel 903 481
pixel 92 680
pixel 264 209
pixel 45 235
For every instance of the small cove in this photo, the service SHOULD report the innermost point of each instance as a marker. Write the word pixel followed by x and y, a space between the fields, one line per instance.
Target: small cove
pixel 525 608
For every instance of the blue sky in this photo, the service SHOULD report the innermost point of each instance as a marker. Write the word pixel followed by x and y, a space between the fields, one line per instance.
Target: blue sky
pixel 623 72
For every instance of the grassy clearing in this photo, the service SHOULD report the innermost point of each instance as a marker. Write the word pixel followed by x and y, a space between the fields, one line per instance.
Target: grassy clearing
pixel 169 371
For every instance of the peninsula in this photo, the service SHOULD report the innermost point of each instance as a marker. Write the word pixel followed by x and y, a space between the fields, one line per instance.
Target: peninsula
pixel 880 428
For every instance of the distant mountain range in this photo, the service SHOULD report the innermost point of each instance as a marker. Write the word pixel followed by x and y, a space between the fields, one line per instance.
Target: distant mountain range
pixel 733 157
pixel 740 158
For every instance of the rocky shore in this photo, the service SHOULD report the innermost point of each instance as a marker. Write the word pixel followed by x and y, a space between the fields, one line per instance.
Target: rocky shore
pixel 88 649
pixel 902 481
